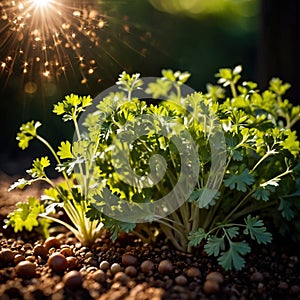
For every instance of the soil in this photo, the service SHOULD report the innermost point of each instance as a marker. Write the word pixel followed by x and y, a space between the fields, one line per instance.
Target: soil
pixel 61 268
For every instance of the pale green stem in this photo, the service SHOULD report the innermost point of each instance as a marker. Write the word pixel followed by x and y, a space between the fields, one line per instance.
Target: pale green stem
pixel 233 90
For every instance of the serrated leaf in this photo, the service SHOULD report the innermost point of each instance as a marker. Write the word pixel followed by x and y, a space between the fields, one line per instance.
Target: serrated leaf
pixel 257 230
pixel 20 184
pixel 65 150
pixel 232 231
pixel 232 259
pixel 59 108
pixel 38 166
pixel 261 194
pixel 291 143
pixel 196 237
pixel 214 245
pixel 26 214
pixel 160 88
pixel 239 182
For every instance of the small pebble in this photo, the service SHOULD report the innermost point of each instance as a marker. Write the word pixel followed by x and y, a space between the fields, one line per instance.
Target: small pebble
pixel 131 271
pixel 193 272
pixel 217 276
pixel 57 262
pixel 99 276
pixel 18 258
pixel 6 256
pixel 121 277
pixel 181 280
pixel 165 267
pixel 115 268
pixel 40 250
pixel 283 285
pixel 211 287
pixel 257 277
pixel 25 269
pixel 66 252
pixel 129 260
pixel 73 279
pixel 147 266
pixel 71 262
pixel 295 289
pixel 104 265
pixel 52 242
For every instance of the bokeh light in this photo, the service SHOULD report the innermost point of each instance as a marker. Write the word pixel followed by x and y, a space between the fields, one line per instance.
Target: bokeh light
pixel 47 40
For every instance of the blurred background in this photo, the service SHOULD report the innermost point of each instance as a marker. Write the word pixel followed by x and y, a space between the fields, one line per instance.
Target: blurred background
pixel 49 50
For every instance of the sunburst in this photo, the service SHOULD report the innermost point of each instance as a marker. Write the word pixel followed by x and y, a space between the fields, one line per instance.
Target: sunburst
pixel 50 39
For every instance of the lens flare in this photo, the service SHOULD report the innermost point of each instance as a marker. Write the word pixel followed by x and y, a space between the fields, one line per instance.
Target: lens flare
pixel 59 39
pixel 41 3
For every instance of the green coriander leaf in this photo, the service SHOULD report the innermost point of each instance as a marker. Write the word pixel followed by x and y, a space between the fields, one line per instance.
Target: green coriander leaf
pixel 86 101
pixel 27 132
pixel 73 100
pixel 59 108
pixel 261 193
pixel 214 245
pixel 291 143
pixel 233 257
pixel 239 182
pixel 65 150
pixel 196 237
pixel 257 230
pixel 232 231
pixel 38 166
pixel 158 89
pixel 21 183
pixel 26 214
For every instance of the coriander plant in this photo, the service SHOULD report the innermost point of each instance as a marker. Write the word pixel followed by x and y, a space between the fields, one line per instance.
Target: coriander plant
pixel 230 155
pixel 66 195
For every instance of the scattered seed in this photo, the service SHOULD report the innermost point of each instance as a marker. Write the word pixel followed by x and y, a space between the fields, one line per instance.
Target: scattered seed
pixel 181 280
pixel 193 272
pixel 129 260
pixel 147 266
pixel 57 262
pixel 6 256
pixel 25 269
pixel 257 276
pixel 99 276
pixel 67 251
pixel 104 265
pixel 121 277
pixel 52 242
pixel 40 250
pixel 211 287
pixel 18 258
pixel 73 279
pixel 115 268
pixel 216 276
pixel 165 267
pixel 71 262
pixel 131 271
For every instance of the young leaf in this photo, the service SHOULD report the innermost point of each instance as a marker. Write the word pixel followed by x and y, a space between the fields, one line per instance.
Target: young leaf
pixel 232 231
pixel 65 150
pixel 239 181
pixel 291 143
pixel 196 237
pixel 25 215
pixel 232 258
pixel 20 184
pixel 257 230
pixel 38 166
pixel 27 133
pixel 160 88
pixel 214 245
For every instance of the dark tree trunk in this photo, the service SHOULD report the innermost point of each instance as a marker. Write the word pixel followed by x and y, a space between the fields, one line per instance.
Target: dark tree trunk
pixel 279 54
